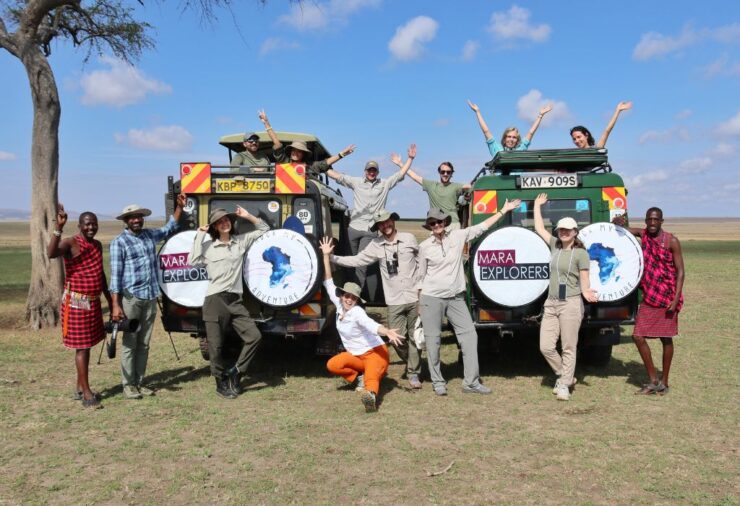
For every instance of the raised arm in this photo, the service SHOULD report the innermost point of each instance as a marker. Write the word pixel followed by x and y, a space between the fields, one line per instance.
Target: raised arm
pixel 58 247
pixel 179 206
pixel 276 144
pixel 621 106
pixel 481 121
pixel 508 206
pixel 675 246
pixel 539 223
pixel 196 255
pixel 621 221
pixel 335 158
pixel 416 177
pixel 327 246
pixel 411 155
pixel 537 121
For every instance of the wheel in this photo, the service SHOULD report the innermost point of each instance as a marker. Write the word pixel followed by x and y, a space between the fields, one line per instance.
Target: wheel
pixel 203 344
pixel 598 355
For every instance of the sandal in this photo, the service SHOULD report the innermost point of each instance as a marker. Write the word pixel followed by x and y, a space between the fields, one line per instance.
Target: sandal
pixel 649 389
pixel 662 389
pixel 93 403
pixel 77 395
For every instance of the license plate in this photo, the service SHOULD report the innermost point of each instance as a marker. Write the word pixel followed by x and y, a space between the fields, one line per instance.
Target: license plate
pixel 246 186
pixel 553 181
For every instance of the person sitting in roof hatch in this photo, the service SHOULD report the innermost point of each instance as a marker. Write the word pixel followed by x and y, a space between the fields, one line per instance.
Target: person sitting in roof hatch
pixel 511 140
pixel 583 139
pixel 251 157
pixel 298 152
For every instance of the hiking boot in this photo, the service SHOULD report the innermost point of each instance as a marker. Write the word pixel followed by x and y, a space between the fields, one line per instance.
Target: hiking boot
pixel 223 388
pixel 414 381
pixel 145 391
pixel 440 390
pixel 360 382
pixel 368 400
pixel 557 385
pixel 476 389
pixel 234 379
pixel 563 393
pixel 131 392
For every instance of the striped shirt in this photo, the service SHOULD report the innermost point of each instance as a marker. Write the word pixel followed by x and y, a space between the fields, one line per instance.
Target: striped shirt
pixel 133 261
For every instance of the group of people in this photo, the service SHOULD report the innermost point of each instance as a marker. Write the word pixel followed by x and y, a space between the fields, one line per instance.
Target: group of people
pixel 425 281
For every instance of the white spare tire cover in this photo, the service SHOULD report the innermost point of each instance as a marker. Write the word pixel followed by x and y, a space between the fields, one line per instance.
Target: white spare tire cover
pixel 181 282
pixel 281 268
pixel 616 260
pixel 511 266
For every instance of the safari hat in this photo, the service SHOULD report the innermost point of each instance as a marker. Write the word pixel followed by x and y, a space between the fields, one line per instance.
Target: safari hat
pixel 249 135
pixel 217 214
pixel 372 164
pixel 351 288
pixel 567 223
pixel 300 146
pixel 382 216
pixel 437 214
pixel 133 209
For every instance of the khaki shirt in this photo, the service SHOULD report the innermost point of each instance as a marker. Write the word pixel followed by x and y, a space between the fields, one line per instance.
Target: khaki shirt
pixel 399 288
pixel 441 263
pixel 369 198
pixel 246 158
pixel 567 263
pixel 224 260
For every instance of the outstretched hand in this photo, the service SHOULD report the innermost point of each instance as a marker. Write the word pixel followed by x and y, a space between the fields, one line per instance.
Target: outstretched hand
pixel 396 159
pixel 394 337
pixel 623 106
pixel 348 150
pixel 546 109
pixel 412 151
pixel 326 245
pixel 263 116
pixel 61 216
pixel 473 106
pixel 241 212
pixel 511 205
pixel 541 199
pixel 182 200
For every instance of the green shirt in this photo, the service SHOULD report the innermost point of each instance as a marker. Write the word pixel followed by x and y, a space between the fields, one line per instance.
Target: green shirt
pixel 443 196
pixel 560 263
pixel 246 158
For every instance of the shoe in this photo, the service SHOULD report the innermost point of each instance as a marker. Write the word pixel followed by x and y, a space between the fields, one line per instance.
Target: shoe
pixel 145 391
pixel 662 389
pixel 476 389
pixel 440 390
pixel 368 400
pixel 223 388
pixel 77 395
pixel 414 381
pixel 360 383
pixel 234 379
pixel 93 403
pixel 131 392
pixel 563 393
pixel 649 389
pixel 557 385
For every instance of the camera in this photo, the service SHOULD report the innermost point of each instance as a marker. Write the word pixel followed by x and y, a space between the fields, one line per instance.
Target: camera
pixel 113 328
pixel 392 265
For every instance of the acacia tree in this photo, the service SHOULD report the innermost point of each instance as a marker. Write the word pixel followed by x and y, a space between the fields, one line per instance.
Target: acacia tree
pixel 27 30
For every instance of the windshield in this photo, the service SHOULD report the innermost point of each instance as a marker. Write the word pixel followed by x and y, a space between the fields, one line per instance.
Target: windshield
pixel 552 211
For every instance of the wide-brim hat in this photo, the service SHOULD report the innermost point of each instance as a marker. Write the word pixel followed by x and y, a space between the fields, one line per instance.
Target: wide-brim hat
pixel 132 209
pixel 566 223
pixel 352 289
pixel 249 135
pixel 217 214
pixel 300 146
pixel 437 214
pixel 381 216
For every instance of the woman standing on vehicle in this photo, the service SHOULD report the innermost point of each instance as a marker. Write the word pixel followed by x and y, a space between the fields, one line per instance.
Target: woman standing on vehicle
pixel 563 311
pixel 223 257
pixel 582 138
pixel 367 354
pixel 511 140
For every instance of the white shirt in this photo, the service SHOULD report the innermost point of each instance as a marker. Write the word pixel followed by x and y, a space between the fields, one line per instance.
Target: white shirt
pixel 358 331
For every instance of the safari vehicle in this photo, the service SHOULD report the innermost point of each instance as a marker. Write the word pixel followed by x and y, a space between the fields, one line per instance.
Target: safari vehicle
pixel 509 265
pixel 295 307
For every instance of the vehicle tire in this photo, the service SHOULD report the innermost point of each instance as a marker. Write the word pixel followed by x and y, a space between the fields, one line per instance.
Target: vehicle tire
pixel 599 355
pixel 203 344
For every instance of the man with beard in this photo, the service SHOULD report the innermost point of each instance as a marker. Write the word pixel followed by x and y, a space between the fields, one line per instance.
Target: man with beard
pixel 134 289
pixel 396 251
pixel 443 194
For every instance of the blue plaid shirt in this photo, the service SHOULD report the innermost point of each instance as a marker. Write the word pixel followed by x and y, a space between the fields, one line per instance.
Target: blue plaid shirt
pixel 133 261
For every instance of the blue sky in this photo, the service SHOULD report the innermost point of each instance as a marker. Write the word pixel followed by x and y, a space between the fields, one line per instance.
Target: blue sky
pixel 382 74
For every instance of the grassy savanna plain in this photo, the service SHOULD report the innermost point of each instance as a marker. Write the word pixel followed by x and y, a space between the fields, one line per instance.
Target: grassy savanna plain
pixel 294 438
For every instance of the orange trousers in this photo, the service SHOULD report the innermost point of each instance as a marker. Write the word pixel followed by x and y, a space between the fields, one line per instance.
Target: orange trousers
pixel 373 364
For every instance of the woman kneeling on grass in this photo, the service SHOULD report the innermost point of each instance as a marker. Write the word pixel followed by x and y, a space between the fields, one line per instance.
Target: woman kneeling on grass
pixel 367 354
pixel 564 309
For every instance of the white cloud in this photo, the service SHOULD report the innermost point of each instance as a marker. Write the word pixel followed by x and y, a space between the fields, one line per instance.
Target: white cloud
pixel 469 50
pixel 315 16
pixel 686 113
pixel 646 177
pixel 729 34
pixel 671 134
pixel 721 67
pixel 724 150
pixel 273 44
pixel 162 138
pixel 121 85
pixel 408 42
pixel 514 24
pixel 6 156
pixel 731 127
pixel 655 45
pixel 529 105
pixel 695 165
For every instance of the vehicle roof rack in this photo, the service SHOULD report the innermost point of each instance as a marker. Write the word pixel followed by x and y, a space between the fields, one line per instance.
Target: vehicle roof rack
pixel 550 160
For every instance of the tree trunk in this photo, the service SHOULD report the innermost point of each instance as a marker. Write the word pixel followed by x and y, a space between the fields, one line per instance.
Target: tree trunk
pixel 44 292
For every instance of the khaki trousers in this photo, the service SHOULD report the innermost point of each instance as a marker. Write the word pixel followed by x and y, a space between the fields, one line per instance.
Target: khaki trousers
pixel 402 317
pixel 135 345
pixel 562 318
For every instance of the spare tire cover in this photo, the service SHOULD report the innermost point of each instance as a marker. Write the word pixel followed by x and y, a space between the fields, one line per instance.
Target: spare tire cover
pixel 511 266
pixel 616 260
pixel 281 268
pixel 181 282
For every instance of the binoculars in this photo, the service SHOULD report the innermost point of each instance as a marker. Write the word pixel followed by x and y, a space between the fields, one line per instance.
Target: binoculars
pixel 113 328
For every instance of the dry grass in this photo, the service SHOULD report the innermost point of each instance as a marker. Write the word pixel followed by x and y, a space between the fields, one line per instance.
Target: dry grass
pixel 293 438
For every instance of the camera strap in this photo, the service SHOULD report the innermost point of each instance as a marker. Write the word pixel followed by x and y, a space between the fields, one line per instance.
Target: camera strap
pixel 557 266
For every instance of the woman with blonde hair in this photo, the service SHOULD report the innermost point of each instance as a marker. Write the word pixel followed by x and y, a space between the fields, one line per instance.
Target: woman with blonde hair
pixel 511 140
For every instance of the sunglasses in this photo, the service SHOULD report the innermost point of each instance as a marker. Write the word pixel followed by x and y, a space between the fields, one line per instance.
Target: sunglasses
pixel 252 141
pixel 445 172
pixel 435 223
